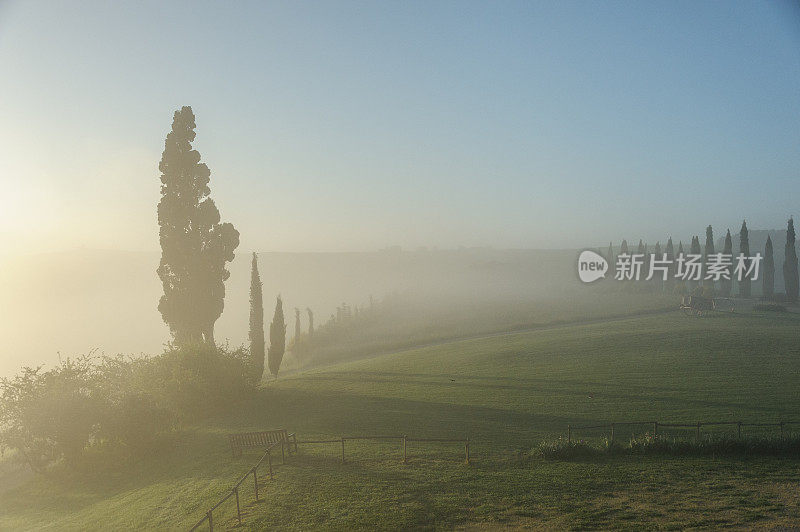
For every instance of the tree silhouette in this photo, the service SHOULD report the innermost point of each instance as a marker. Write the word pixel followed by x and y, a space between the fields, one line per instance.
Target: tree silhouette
pixel 790 278
pixel 707 252
pixel 194 244
pixel 726 285
pixel 694 249
pixel 297 331
pixel 768 289
pixel 310 322
pixel 256 321
pixel 670 251
pixel 744 249
pixel 277 339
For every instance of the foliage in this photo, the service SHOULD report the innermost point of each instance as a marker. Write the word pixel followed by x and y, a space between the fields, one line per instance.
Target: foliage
pixel 256 321
pixel 47 416
pixel 770 307
pixel 768 290
pixel 194 244
pixel 790 274
pixel 726 285
pixel 648 444
pixel 277 339
pixel 744 249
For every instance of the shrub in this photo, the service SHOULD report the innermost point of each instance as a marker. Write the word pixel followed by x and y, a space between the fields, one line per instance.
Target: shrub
pixel 46 416
pixel 651 445
pixel 769 307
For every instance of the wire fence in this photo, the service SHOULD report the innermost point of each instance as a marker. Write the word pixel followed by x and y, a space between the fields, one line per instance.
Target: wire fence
pixel 405 440
pixel 286 442
pixel 660 428
pixel 209 515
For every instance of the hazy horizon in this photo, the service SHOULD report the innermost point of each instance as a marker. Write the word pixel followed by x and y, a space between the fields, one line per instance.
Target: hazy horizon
pixel 356 127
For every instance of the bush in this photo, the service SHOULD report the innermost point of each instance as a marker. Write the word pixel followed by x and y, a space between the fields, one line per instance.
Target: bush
pixel 651 445
pixel 47 416
pixel 769 307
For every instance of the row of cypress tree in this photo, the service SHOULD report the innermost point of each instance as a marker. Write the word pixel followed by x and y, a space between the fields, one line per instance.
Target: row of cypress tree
pixel 277 328
pixel 790 265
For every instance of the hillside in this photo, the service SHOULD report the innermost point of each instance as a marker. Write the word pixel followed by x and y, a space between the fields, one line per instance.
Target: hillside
pixel 506 393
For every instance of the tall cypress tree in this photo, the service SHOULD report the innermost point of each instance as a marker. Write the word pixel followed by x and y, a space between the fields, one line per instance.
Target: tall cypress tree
pixel 277 339
pixel 790 278
pixel 744 249
pixel 297 331
pixel 310 322
pixel 256 321
pixel 680 284
pixel 195 246
pixel 707 252
pixel 726 285
pixel 658 277
pixel 768 289
pixel 670 251
pixel 694 249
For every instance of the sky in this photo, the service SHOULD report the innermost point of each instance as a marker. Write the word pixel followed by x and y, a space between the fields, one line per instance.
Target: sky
pixel 333 126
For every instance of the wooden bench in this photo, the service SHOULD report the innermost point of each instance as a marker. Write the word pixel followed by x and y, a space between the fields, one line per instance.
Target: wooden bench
pixel 264 438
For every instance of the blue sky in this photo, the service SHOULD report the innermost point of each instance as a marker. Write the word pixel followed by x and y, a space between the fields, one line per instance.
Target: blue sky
pixel 358 125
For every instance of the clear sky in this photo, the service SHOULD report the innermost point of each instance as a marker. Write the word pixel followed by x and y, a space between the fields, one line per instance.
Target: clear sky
pixel 358 125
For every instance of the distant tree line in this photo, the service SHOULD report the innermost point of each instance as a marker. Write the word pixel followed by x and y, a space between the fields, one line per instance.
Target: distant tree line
pixel 724 285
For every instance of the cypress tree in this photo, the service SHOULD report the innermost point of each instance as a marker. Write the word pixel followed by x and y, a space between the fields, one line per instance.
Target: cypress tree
pixel 694 249
pixel 670 251
pixel 726 285
pixel 768 289
pixel 790 278
pixel 680 284
pixel 195 246
pixel 277 339
pixel 296 325
pixel 707 252
pixel 310 322
pixel 658 277
pixel 623 248
pixel 744 249
pixel 256 321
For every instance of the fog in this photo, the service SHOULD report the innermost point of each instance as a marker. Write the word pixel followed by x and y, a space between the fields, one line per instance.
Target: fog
pixel 78 301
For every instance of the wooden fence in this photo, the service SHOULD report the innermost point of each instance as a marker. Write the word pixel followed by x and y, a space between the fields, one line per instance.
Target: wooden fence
pixel 696 426
pixel 209 516
pixel 286 442
pixel 403 438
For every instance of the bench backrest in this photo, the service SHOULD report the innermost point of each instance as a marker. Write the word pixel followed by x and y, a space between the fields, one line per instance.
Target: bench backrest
pixel 256 439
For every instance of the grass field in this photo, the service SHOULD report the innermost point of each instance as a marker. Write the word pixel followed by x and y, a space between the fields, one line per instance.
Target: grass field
pixel 506 393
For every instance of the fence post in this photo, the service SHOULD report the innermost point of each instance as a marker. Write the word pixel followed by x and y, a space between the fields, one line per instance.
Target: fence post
pixel 405 456
pixel 655 429
pixel 466 450
pixel 569 433
pixel 210 520
pixel 294 438
pixel 283 454
pixel 612 434
pixel 698 431
pixel 238 508
pixel 342 449
pixel 739 427
pixel 269 460
pixel 255 481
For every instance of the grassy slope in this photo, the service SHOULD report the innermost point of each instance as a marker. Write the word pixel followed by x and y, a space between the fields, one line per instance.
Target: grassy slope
pixel 506 393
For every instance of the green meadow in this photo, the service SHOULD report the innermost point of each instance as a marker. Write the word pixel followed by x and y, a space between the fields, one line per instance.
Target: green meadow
pixel 506 393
